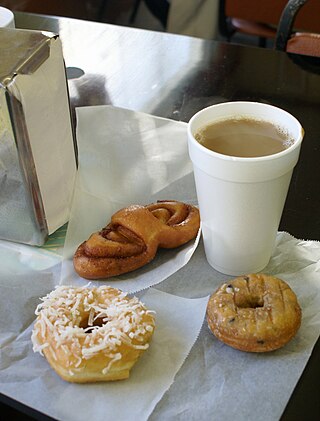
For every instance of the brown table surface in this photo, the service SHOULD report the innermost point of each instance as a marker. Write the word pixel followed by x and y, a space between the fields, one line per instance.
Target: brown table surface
pixel 174 76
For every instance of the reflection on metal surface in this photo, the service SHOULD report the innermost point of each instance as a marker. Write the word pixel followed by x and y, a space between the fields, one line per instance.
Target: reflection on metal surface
pixel 74 72
pixel 138 67
pixel 34 209
pixel 25 52
pixel 168 75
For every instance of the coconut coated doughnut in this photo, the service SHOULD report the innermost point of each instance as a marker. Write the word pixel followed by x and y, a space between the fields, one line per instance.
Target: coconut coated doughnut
pixel 254 313
pixel 91 334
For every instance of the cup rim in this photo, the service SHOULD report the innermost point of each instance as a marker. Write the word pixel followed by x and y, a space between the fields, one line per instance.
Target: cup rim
pixel 6 17
pixel 209 152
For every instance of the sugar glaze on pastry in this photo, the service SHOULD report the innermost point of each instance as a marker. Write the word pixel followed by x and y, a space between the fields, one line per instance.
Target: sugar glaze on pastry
pixel 254 313
pixel 133 236
pixel 92 334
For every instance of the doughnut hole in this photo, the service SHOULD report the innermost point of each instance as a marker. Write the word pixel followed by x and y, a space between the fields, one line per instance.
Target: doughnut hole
pixel 97 321
pixel 248 294
pixel 246 301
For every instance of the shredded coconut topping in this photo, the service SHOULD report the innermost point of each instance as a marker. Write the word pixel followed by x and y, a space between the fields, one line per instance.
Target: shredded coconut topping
pixel 68 315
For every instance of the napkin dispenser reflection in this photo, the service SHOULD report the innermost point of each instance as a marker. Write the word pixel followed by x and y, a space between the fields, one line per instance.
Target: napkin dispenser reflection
pixel 37 146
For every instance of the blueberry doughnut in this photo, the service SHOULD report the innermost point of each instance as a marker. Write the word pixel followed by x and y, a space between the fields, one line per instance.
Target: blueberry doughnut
pixel 254 313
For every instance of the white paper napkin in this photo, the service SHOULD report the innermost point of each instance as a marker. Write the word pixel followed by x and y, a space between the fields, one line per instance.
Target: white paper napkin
pixel 126 157
pixel 28 378
pixel 234 385
pixel 215 380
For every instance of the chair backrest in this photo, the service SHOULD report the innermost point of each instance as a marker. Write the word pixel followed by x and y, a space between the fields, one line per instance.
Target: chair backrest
pixel 304 43
pixel 301 42
pixel 269 12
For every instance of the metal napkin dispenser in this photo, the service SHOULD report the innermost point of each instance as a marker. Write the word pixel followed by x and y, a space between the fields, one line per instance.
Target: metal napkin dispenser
pixel 37 147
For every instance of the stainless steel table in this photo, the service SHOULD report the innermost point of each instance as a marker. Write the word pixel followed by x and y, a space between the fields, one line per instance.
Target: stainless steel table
pixel 174 76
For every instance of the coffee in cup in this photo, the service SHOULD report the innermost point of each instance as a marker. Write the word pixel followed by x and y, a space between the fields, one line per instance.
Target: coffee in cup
pixel 242 184
pixel 244 137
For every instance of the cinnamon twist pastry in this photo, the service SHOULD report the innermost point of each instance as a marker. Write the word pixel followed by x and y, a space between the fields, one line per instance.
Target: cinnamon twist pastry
pixel 133 237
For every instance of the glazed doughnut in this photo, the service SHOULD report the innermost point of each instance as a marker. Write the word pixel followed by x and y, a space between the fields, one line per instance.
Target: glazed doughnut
pixel 133 237
pixel 91 334
pixel 254 313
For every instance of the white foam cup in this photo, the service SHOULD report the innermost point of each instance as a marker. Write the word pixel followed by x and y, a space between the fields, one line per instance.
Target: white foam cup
pixel 241 199
pixel 6 18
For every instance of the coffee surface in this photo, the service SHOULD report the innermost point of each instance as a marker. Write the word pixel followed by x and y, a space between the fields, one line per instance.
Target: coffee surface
pixel 243 137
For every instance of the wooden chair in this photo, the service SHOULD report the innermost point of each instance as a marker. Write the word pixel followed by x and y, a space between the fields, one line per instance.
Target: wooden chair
pixel 260 18
pixel 306 43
